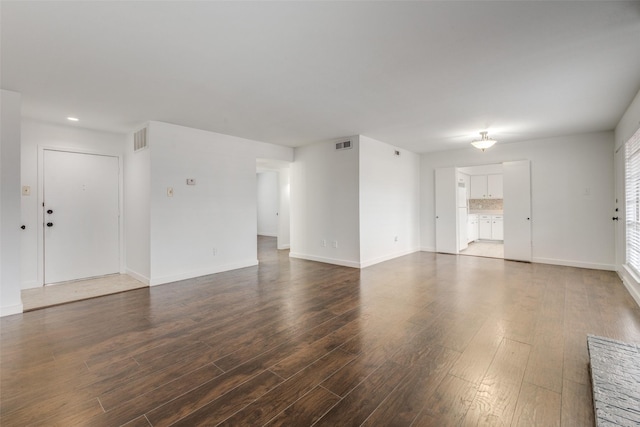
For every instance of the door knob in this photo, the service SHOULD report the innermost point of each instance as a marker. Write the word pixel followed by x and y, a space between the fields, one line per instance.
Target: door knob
pixel 49 211
pixel 615 218
pixel 49 224
pixel 23 227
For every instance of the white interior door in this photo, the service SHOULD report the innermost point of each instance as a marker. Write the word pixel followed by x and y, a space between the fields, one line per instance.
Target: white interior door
pixel 81 216
pixel 446 211
pixel 517 210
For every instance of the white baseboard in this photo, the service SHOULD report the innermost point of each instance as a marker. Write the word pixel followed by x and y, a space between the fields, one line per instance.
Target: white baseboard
pixel 631 282
pixel 378 260
pixel 579 264
pixel 10 310
pixel 267 234
pixel 139 277
pixel 427 249
pixel 202 272
pixel 31 284
pixel 342 262
pixel 282 247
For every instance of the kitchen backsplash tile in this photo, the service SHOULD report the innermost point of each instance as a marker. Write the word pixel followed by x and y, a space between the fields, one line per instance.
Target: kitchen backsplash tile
pixel 485 204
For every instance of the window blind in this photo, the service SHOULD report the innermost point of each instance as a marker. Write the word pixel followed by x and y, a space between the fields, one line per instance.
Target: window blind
pixel 632 199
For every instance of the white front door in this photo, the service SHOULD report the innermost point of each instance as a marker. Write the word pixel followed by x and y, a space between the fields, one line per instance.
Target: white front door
pixel 517 210
pixel 446 211
pixel 81 216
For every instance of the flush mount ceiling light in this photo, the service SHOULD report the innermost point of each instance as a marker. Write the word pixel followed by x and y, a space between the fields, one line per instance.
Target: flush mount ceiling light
pixel 72 119
pixel 483 143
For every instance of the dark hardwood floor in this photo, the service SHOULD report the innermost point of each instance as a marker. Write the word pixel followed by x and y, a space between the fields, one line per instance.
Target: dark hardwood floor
pixel 422 340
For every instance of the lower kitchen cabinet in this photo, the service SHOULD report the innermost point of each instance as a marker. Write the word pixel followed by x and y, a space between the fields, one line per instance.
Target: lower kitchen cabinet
pixel 491 227
pixel 497 228
pixel 472 230
pixel 484 227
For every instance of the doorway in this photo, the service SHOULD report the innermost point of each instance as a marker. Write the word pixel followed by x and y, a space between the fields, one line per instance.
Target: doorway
pixel 484 210
pixel 272 180
pixel 81 215
pixel 484 205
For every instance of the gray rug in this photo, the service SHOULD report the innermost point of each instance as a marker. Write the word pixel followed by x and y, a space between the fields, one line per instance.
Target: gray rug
pixel 615 380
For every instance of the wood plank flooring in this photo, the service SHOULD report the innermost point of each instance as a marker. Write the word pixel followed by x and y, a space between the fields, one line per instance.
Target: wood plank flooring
pixel 422 340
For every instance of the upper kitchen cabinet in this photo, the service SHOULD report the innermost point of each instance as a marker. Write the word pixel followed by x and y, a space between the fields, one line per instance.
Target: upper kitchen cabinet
pixel 479 187
pixel 486 186
pixel 494 184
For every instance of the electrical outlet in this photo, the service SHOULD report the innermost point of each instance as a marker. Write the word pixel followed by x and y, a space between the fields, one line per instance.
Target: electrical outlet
pixel 335 243
pixel 215 251
pixel 395 239
pixel 323 243
pixel 191 181
pixel 169 191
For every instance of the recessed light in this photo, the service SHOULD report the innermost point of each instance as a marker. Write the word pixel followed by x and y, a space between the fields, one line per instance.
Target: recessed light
pixel 72 119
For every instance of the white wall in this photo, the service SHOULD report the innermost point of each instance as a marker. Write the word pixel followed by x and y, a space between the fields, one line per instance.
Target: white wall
pixel 38 135
pixel 219 212
pixel 268 203
pixel 325 204
pixel 626 128
pixel 284 223
pixel 10 300
pixel 572 195
pixel 137 211
pixel 389 202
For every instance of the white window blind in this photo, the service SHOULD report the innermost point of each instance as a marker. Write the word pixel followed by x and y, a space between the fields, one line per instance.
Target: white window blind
pixel 632 199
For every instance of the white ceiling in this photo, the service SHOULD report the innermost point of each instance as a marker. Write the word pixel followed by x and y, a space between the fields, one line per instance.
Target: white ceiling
pixel 424 76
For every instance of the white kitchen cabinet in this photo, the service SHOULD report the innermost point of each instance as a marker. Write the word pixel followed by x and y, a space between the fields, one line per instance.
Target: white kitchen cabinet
pixel 486 186
pixel 490 227
pixel 497 227
pixel 472 230
pixel 484 227
pixel 478 187
pixel 494 186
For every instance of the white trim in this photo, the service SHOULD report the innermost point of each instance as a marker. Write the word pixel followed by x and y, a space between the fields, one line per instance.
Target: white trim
pixel 139 277
pixel 631 282
pixel 281 247
pixel 31 284
pixel 10 310
pixel 378 260
pixel 40 245
pixel 201 272
pixel 571 263
pixel 260 233
pixel 341 262
pixel 427 249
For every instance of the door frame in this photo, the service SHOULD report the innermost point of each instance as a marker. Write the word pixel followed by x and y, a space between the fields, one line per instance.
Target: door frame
pixel 40 227
pixel 502 162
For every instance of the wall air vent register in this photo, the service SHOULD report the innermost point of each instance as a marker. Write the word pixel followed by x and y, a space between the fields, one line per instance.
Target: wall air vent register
pixel 343 145
pixel 140 140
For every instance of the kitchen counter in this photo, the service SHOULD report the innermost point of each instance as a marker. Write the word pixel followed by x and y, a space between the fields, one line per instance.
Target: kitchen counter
pixel 485 212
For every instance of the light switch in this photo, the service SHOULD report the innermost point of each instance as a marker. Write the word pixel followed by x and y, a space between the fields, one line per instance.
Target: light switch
pixel 191 181
pixel 169 191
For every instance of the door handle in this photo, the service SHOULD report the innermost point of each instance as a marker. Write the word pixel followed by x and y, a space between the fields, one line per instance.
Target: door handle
pixel 49 211
pixel 615 218
pixel 49 224
pixel 23 227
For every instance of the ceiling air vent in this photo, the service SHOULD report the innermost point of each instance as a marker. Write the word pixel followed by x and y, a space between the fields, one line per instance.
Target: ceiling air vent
pixel 343 145
pixel 140 140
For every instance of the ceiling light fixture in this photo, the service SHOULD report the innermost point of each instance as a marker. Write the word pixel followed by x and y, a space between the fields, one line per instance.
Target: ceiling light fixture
pixel 485 142
pixel 73 119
